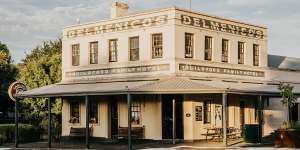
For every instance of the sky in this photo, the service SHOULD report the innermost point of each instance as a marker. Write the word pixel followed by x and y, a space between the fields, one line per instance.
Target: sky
pixel 25 24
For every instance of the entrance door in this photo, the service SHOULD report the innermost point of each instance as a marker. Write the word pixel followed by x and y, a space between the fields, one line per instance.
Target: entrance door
pixel 114 116
pixel 167 116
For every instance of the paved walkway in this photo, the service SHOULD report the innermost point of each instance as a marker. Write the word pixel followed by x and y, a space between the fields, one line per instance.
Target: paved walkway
pixel 137 145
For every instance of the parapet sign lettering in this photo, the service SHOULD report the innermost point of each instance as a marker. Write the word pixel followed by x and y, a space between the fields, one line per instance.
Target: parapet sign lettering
pixel 114 27
pixel 223 27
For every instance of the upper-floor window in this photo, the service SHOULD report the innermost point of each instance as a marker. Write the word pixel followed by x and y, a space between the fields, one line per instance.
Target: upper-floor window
pixel 93 52
pixel 134 48
pixel 241 51
pixel 189 45
pixel 75 54
pixel 157 45
pixel 225 47
pixel 113 50
pixel 255 54
pixel 136 112
pixel 208 48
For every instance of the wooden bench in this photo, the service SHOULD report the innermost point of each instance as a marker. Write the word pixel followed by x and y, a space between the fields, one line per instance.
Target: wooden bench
pixel 77 132
pixel 136 132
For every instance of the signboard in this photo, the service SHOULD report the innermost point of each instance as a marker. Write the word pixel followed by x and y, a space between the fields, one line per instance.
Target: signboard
pixel 219 26
pixel 120 70
pixel 220 70
pixel 16 88
pixel 119 26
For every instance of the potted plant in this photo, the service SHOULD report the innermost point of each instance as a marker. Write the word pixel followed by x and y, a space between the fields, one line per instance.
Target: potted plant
pixel 288 134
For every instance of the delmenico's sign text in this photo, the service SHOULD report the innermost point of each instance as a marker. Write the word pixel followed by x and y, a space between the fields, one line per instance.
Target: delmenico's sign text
pixel 119 26
pixel 219 26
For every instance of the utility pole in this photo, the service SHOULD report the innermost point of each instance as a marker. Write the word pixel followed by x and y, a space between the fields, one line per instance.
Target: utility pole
pixel 190 2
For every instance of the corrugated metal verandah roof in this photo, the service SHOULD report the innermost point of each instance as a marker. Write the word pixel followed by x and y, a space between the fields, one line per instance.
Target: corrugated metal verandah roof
pixel 158 86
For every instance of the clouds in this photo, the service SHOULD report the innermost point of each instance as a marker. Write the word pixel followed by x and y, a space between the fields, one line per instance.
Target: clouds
pixel 25 24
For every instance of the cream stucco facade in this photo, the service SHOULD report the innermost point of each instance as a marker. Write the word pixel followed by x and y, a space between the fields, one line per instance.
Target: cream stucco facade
pixel 244 83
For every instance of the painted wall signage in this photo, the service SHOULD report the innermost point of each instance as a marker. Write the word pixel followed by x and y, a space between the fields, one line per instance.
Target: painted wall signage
pixel 220 70
pixel 120 70
pixel 114 27
pixel 219 26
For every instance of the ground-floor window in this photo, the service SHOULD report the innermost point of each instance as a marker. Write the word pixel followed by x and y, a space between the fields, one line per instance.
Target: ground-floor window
pixel 135 113
pixel 74 112
pixel 207 111
pixel 94 112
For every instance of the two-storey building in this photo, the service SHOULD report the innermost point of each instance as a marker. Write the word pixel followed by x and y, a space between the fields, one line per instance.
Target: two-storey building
pixel 185 72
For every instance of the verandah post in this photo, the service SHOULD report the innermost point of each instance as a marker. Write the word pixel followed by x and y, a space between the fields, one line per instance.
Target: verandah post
pixel 260 116
pixel 174 120
pixel 224 121
pixel 16 123
pixel 87 123
pixel 129 121
pixel 49 121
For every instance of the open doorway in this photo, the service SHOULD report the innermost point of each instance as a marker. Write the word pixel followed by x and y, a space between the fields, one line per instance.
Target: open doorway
pixel 167 116
pixel 113 116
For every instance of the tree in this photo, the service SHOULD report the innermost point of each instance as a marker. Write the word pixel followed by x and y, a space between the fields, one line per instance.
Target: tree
pixel 288 97
pixel 40 68
pixel 8 73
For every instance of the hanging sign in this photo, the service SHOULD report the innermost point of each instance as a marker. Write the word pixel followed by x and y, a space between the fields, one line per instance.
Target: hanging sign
pixel 16 88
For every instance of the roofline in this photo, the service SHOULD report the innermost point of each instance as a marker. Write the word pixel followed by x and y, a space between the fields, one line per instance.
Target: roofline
pixel 143 12
pixel 284 69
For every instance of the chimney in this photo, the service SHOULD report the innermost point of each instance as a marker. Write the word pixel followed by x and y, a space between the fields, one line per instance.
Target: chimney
pixel 118 9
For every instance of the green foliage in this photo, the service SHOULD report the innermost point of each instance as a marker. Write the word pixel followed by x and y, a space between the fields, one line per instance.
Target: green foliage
pixel 40 68
pixel 27 133
pixel 8 73
pixel 287 94
pixel 288 99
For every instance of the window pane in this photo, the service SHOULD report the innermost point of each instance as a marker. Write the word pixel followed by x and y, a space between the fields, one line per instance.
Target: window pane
pixel 93 52
pixel 75 54
pixel 225 47
pixel 208 48
pixel 241 50
pixel 207 111
pixel 157 47
pixel 134 48
pixel 113 50
pixel 135 112
pixel 189 45
pixel 255 55
pixel 74 112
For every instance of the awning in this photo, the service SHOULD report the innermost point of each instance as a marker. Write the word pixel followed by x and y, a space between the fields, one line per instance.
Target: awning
pixel 171 85
pixel 77 89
